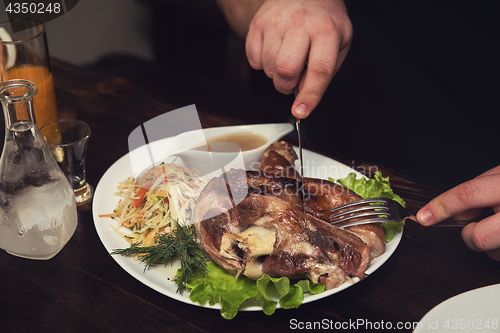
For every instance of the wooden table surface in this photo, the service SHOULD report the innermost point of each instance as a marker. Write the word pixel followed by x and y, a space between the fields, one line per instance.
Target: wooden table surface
pixel 83 289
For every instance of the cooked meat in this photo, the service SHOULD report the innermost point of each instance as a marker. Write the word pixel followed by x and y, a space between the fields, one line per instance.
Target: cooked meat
pixel 373 235
pixel 322 196
pixel 267 233
pixel 279 159
pixel 275 164
pixel 253 223
pixel 214 207
pixel 282 148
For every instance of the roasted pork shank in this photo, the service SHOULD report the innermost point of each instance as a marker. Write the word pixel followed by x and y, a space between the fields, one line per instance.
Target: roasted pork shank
pixel 253 223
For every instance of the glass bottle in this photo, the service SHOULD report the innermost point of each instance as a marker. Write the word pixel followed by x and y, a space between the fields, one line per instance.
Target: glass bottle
pixel 37 204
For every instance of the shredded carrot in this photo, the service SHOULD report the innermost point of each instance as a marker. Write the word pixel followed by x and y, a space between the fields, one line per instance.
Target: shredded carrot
pixel 128 223
pixel 110 215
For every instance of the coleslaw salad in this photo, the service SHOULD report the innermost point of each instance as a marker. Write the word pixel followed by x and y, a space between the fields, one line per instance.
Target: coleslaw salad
pixel 151 202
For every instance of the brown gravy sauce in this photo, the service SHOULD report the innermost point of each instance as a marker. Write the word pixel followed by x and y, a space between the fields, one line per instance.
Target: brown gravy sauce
pixel 244 140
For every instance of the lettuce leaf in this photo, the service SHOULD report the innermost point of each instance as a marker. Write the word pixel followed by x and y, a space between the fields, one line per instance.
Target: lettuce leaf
pixel 219 286
pixel 378 186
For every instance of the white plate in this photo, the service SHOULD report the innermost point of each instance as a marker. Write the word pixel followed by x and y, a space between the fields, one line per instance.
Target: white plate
pixel 478 309
pixel 104 202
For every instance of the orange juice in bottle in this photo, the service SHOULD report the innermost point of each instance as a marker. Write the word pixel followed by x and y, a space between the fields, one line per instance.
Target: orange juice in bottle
pixel 44 101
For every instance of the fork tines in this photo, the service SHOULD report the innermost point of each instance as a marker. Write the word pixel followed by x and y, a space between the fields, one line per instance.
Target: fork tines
pixel 366 210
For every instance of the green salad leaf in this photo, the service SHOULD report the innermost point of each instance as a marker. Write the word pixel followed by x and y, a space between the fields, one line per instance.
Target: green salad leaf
pixel 378 186
pixel 218 286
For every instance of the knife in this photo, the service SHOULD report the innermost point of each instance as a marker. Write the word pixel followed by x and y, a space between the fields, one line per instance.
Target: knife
pixel 297 123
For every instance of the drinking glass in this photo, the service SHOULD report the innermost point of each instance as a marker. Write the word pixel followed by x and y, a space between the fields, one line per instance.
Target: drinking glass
pixel 24 55
pixel 70 150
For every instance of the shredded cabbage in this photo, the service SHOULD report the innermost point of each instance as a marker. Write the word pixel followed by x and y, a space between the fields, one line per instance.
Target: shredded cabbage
pixel 151 202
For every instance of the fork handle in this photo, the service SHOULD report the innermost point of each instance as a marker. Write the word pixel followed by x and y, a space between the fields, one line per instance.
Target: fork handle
pixel 449 223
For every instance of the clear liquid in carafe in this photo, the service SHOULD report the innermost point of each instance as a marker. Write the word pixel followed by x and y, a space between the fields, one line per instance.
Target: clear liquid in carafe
pixel 37 205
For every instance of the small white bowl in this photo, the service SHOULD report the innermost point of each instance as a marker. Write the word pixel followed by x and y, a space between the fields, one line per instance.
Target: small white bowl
pixel 185 147
pixel 206 162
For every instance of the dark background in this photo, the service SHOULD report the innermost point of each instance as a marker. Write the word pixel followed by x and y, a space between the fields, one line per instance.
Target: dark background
pixel 417 92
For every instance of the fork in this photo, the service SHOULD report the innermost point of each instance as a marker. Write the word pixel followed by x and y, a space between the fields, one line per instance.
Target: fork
pixel 373 210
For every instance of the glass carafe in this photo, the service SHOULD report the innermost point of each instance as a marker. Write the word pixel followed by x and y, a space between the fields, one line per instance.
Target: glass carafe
pixel 37 204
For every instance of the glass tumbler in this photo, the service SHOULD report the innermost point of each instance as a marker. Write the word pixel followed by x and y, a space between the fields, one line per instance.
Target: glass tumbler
pixel 67 140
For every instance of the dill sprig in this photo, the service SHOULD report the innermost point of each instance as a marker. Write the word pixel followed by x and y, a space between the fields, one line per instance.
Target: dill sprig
pixel 180 243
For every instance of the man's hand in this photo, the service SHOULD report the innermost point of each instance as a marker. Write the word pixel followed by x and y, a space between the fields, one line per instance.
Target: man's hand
pixel 465 202
pixel 300 42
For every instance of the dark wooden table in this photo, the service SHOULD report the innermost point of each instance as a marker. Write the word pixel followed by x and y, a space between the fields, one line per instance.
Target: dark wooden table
pixel 84 289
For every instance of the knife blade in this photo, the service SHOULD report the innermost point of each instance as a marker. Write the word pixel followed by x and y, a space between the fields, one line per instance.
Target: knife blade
pixel 299 134
pixel 297 124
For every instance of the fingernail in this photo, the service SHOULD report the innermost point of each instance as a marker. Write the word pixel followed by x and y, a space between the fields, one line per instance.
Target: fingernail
pixel 424 217
pixel 301 111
